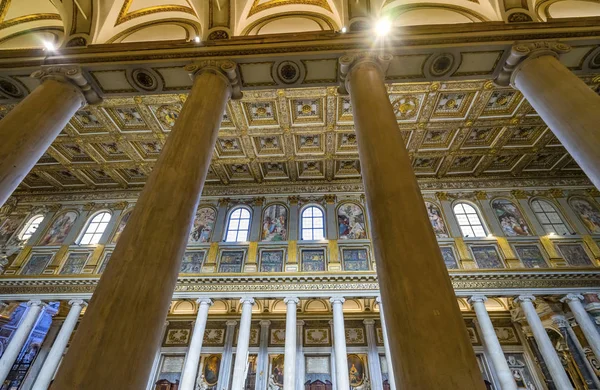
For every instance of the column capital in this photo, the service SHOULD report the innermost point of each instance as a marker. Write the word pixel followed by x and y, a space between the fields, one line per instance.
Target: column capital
pixel 521 52
pixel 378 300
pixel 35 302
pixel 369 322
pixel 293 300
pixel 264 323
pixel 572 297
pixel 72 75
pixel 477 298
pixel 560 321
pixel 77 302
pixel 231 323
pixel 525 298
pixel 350 62
pixel 337 300
pixel 247 300
pixel 226 68
pixel 204 301
pixel 300 323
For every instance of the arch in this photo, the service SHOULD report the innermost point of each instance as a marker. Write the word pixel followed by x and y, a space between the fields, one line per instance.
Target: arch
pixel 469 219
pixel 95 228
pixel 510 218
pixel 291 22
pixel 352 221
pixel 557 9
pixel 312 222
pixel 23 26
pixel 179 29
pixel 219 307
pixel 184 307
pixel 239 220
pixel 316 305
pixel 549 216
pixel 496 304
pixel 275 219
pixel 279 307
pixel 352 306
pixel 463 304
pixel 588 213
pixel 431 13
pixel 30 227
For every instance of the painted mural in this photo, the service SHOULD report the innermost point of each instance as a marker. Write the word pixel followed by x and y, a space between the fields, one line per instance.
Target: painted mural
pixel 192 262
pixel 8 227
pixel 531 256
pixel 277 370
pixel 588 212
pixel 449 257
pixel 355 259
pixel 271 260
pixel 211 369
pixel 37 263
pixel 521 374
pixel 59 230
pixel 204 224
pixel 575 255
pixel 104 262
pixel 74 264
pixel 231 261
pixel 313 260
pixel 121 227
pixel 486 256
pixel 351 222
pixel 437 220
pixel 274 227
pixel 356 370
pixel 511 220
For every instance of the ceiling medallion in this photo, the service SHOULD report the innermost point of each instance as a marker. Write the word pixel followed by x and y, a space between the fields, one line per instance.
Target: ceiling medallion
pixel 10 89
pixel 441 64
pixel 288 72
pixel 406 107
pixel 144 80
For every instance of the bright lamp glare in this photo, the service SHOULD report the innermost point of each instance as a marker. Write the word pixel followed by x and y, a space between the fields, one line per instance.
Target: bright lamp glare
pixel 344 29
pixel 49 46
pixel 383 27
pixel 197 39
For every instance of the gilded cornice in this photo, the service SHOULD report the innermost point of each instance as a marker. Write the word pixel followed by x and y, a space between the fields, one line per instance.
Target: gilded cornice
pixel 258 7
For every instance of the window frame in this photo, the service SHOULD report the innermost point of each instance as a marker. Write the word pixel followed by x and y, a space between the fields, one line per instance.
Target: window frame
pixel 562 218
pixel 312 229
pixel 237 230
pixel 479 215
pixel 27 225
pixel 90 220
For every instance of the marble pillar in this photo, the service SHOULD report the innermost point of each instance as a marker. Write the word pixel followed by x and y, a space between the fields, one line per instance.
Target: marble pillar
pixel 566 104
pixel 492 344
pixel 414 282
pixel 192 360
pixel 553 363
pixel 374 365
pixel 227 357
pixel 583 319
pixel 19 338
pixel 339 343
pixel 28 129
pixel 135 291
pixel 262 363
pixel 289 362
pixel 300 368
pixel 48 370
pixel 243 343
pixel 386 345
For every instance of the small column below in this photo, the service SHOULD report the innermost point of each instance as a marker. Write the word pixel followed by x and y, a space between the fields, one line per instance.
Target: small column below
pixel 374 365
pixel 386 344
pixel 192 360
pixel 289 363
pixel 241 352
pixel 339 343
pixel 583 319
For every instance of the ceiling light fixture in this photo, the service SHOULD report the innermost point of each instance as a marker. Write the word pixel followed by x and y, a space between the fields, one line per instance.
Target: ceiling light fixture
pixel 197 39
pixel 383 27
pixel 344 30
pixel 49 46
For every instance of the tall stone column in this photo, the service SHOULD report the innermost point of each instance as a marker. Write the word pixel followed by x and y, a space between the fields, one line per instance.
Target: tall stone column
pixel 46 374
pixel 414 282
pixel 374 365
pixel 243 342
pixel 262 363
pixel 289 361
pixel 190 369
pixel 135 291
pixel 565 103
pixel 583 319
pixel 555 367
pixel 339 343
pixel 227 357
pixel 386 345
pixel 29 129
pixel 492 344
pixel 300 370
pixel 19 338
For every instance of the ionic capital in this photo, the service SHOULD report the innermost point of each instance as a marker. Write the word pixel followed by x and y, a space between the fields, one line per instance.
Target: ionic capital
pixel 289 300
pixel 521 52
pixel 77 302
pixel 72 75
pixel 572 297
pixel 35 302
pixel 264 323
pixel 560 321
pixel 247 301
pixel 350 62
pixel 230 323
pixel 337 300
pixel 225 68
pixel 477 298
pixel 204 301
pixel 525 298
pixel 369 322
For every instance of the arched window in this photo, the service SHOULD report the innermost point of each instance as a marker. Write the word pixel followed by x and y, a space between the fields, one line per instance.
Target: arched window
pixel 30 227
pixel 238 225
pixel 95 228
pixel 549 217
pixel 469 221
pixel 313 223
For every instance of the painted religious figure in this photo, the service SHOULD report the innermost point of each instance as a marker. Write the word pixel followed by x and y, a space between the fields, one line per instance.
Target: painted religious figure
pixel 231 261
pixel 104 262
pixel 531 256
pixel 203 226
pixel 121 227
pixel 277 369
pixel 274 227
pixel 575 255
pixel 313 260
pixel 510 218
pixel 36 264
pixel 355 259
pixel 8 227
pixel 437 221
pixel 192 262
pixel 486 256
pixel 59 229
pixel 271 260
pixel 449 257
pixel 521 374
pixel 211 369
pixel 588 212
pixel 356 370
pixel 351 222
pixel 74 264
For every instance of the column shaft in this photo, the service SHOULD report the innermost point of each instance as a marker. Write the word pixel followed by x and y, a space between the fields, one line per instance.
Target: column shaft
pixel 413 279
pixel 300 374
pixel 555 367
pixel 386 345
pixel 262 365
pixel 190 369
pixel 374 365
pixel 243 342
pixel 289 362
pixel 135 291
pixel 567 105
pixel 29 129
pixel 339 344
pixel 587 326
pixel 493 347
pixel 19 338
pixel 225 368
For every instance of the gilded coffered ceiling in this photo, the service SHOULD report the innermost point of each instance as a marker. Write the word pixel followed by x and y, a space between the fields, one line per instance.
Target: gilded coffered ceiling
pixel 455 131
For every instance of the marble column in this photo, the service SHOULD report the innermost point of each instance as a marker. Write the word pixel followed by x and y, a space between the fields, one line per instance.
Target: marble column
pixel 28 129
pixel 225 368
pixel 289 362
pixel 339 343
pixel 566 104
pixel 582 355
pixel 192 360
pixel 300 369
pixel 583 319
pixel 414 282
pixel 19 338
pixel 553 363
pixel 262 364
pixel 386 345
pixel 48 370
pixel 492 344
pixel 374 365
pixel 135 291
pixel 243 342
